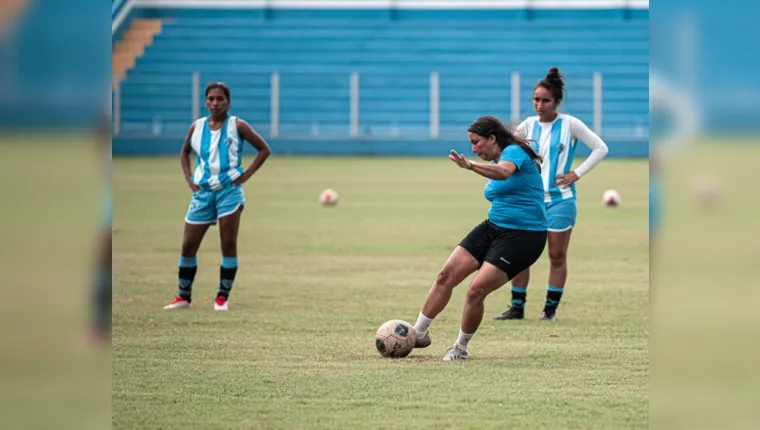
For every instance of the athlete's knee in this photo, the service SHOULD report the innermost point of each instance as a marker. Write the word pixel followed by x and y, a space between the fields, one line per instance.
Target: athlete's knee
pixel 442 278
pixel 189 248
pixel 445 278
pixel 476 293
pixel 557 258
pixel 229 247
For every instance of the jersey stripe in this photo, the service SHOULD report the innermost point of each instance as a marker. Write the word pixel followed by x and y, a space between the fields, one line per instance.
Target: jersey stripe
pixel 204 155
pixel 224 155
pixel 554 142
pixel 570 191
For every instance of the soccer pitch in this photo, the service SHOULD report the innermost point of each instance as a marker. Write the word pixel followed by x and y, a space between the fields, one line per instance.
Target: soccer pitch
pixel 296 349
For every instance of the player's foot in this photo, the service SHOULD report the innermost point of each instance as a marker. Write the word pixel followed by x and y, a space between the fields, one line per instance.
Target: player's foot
pixel 220 304
pixel 424 342
pixel 511 314
pixel 456 354
pixel 548 314
pixel 178 303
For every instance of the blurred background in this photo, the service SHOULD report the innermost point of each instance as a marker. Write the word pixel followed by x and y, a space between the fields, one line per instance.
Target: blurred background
pixel 704 144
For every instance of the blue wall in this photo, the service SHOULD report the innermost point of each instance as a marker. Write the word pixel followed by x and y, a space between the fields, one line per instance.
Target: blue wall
pixel 422 147
pixel 59 62
pixel 394 52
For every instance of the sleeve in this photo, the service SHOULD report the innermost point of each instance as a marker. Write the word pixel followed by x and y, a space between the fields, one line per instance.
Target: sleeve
pixel 516 155
pixel 599 149
pixel 522 129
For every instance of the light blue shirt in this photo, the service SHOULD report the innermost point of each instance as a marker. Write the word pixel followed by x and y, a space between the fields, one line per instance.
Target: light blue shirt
pixel 518 201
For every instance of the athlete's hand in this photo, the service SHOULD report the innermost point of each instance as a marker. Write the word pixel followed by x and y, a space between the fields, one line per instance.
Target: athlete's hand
pixel 566 179
pixel 242 179
pixel 192 185
pixel 460 160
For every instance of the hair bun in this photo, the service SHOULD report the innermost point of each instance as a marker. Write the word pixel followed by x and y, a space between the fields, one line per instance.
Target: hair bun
pixel 555 78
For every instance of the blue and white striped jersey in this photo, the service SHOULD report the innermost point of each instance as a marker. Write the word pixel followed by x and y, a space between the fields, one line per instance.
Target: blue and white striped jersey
pixel 556 142
pixel 218 154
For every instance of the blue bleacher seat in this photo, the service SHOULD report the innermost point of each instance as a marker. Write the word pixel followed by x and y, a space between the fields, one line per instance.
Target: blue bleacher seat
pixel 394 59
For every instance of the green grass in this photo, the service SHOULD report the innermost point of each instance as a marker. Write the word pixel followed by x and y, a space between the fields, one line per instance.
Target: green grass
pixel 296 349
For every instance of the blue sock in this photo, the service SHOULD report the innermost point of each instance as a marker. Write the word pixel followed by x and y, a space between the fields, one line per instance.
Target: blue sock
pixel 188 266
pixel 518 297
pixel 227 276
pixel 553 296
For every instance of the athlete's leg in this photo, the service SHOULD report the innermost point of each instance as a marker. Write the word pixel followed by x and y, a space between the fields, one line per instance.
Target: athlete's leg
pixel 561 217
pixel 457 268
pixel 558 245
pixel 489 279
pixel 230 204
pixel 510 253
pixel 229 225
pixel 200 215
pixel 519 291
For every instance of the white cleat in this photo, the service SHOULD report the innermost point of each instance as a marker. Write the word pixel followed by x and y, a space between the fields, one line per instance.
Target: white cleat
pixel 178 303
pixel 220 304
pixel 456 354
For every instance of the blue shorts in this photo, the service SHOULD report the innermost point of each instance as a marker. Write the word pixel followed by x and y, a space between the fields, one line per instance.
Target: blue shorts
pixel 208 206
pixel 561 215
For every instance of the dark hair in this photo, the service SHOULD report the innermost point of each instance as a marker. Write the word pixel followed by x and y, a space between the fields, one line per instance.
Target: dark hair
pixel 505 136
pixel 554 82
pixel 219 86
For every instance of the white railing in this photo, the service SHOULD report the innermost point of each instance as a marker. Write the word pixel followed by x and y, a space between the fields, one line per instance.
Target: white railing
pixel 435 106
pixel 279 126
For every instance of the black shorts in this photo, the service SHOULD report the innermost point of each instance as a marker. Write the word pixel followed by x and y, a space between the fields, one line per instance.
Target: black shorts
pixel 510 250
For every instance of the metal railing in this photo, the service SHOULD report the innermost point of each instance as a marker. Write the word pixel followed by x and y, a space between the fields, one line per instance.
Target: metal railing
pixel 280 125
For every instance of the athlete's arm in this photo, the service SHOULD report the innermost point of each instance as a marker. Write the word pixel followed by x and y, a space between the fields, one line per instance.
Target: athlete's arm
pixel 249 135
pixel 501 171
pixel 599 149
pixel 184 159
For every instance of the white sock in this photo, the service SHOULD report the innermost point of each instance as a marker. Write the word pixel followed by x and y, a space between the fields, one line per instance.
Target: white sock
pixel 463 340
pixel 422 325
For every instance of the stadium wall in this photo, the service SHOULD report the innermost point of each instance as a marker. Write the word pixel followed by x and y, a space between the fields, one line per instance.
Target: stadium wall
pixel 357 147
pixel 370 11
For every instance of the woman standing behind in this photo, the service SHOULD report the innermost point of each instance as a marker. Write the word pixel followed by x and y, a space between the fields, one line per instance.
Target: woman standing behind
pixel 556 136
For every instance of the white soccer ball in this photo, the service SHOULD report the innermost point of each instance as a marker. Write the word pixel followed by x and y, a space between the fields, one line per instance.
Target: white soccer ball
pixel 611 198
pixel 328 197
pixel 395 339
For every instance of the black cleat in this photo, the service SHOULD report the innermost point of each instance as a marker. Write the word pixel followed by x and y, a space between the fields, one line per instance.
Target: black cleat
pixel 511 314
pixel 548 314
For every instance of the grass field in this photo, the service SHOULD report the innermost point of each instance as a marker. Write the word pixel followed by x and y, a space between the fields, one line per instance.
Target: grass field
pixel 296 350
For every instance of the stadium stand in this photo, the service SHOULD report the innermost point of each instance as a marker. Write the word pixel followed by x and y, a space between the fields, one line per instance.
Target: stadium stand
pixel 393 53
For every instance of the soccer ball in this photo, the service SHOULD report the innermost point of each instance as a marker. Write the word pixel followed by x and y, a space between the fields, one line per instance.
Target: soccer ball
pixel 395 339
pixel 328 197
pixel 611 198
